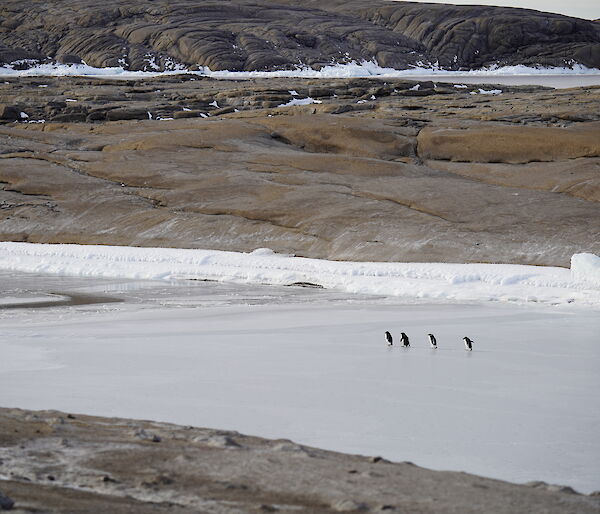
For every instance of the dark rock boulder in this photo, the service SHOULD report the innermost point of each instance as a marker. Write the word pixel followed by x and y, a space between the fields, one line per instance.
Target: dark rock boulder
pixel 71 117
pixel 127 113
pixel 9 112
pixel 6 503
pixel 69 59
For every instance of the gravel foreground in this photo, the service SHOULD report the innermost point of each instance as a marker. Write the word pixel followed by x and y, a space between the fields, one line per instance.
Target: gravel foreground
pixel 57 462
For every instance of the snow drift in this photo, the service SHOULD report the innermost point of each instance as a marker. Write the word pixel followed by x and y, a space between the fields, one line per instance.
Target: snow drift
pixel 431 281
pixel 348 70
pixel 586 268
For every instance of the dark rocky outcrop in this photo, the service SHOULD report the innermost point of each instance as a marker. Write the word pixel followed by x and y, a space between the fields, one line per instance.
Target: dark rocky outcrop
pixel 475 36
pixel 8 112
pixel 275 34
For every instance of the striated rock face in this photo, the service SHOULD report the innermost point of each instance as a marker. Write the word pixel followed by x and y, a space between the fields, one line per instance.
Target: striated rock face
pixel 56 462
pixel 275 34
pixel 475 36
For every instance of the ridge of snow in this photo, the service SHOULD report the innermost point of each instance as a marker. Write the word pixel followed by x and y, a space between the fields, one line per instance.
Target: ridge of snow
pixel 433 281
pixel 347 70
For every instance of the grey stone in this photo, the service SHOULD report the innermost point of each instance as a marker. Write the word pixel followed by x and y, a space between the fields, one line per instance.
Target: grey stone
pixel 9 112
pixel 69 59
pixel 6 503
pixel 127 114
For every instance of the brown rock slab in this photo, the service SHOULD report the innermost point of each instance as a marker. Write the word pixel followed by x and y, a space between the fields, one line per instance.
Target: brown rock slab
pixel 514 145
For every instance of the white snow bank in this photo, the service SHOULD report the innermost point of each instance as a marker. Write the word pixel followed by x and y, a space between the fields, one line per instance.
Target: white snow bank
pixel 487 92
pixel 437 281
pixel 349 70
pixel 585 267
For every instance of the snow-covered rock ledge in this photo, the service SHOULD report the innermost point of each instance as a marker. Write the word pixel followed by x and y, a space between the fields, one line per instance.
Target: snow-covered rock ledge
pixel 435 281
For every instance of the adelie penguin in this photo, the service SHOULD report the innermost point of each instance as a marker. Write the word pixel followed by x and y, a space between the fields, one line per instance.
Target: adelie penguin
pixel 405 341
pixel 468 344
pixel 388 338
pixel 432 341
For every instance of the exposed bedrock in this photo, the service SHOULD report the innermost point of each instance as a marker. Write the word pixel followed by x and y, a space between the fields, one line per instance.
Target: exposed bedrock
pixel 275 34
pixel 508 144
pixel 450 176
pixel 474 36
pixel 367 174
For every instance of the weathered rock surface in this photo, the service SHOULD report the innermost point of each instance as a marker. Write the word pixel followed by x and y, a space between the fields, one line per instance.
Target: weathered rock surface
pixel 56 462
pixel 513 145
pixel 452 176
pixel 275 34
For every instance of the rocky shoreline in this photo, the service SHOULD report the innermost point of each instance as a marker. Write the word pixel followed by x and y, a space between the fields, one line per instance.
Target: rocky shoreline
pixel 58 462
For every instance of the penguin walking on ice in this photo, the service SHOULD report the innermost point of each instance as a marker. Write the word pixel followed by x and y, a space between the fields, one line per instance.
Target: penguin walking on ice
pixel 405 341
pixel 432 341
pixel 389 338
pixel 468 344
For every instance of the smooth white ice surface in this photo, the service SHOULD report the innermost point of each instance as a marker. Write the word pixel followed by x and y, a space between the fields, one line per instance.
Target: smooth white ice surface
pixel 313 366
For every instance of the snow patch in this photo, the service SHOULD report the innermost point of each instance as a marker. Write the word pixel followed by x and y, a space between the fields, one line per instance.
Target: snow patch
pixel 301 101
pixel 487 92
